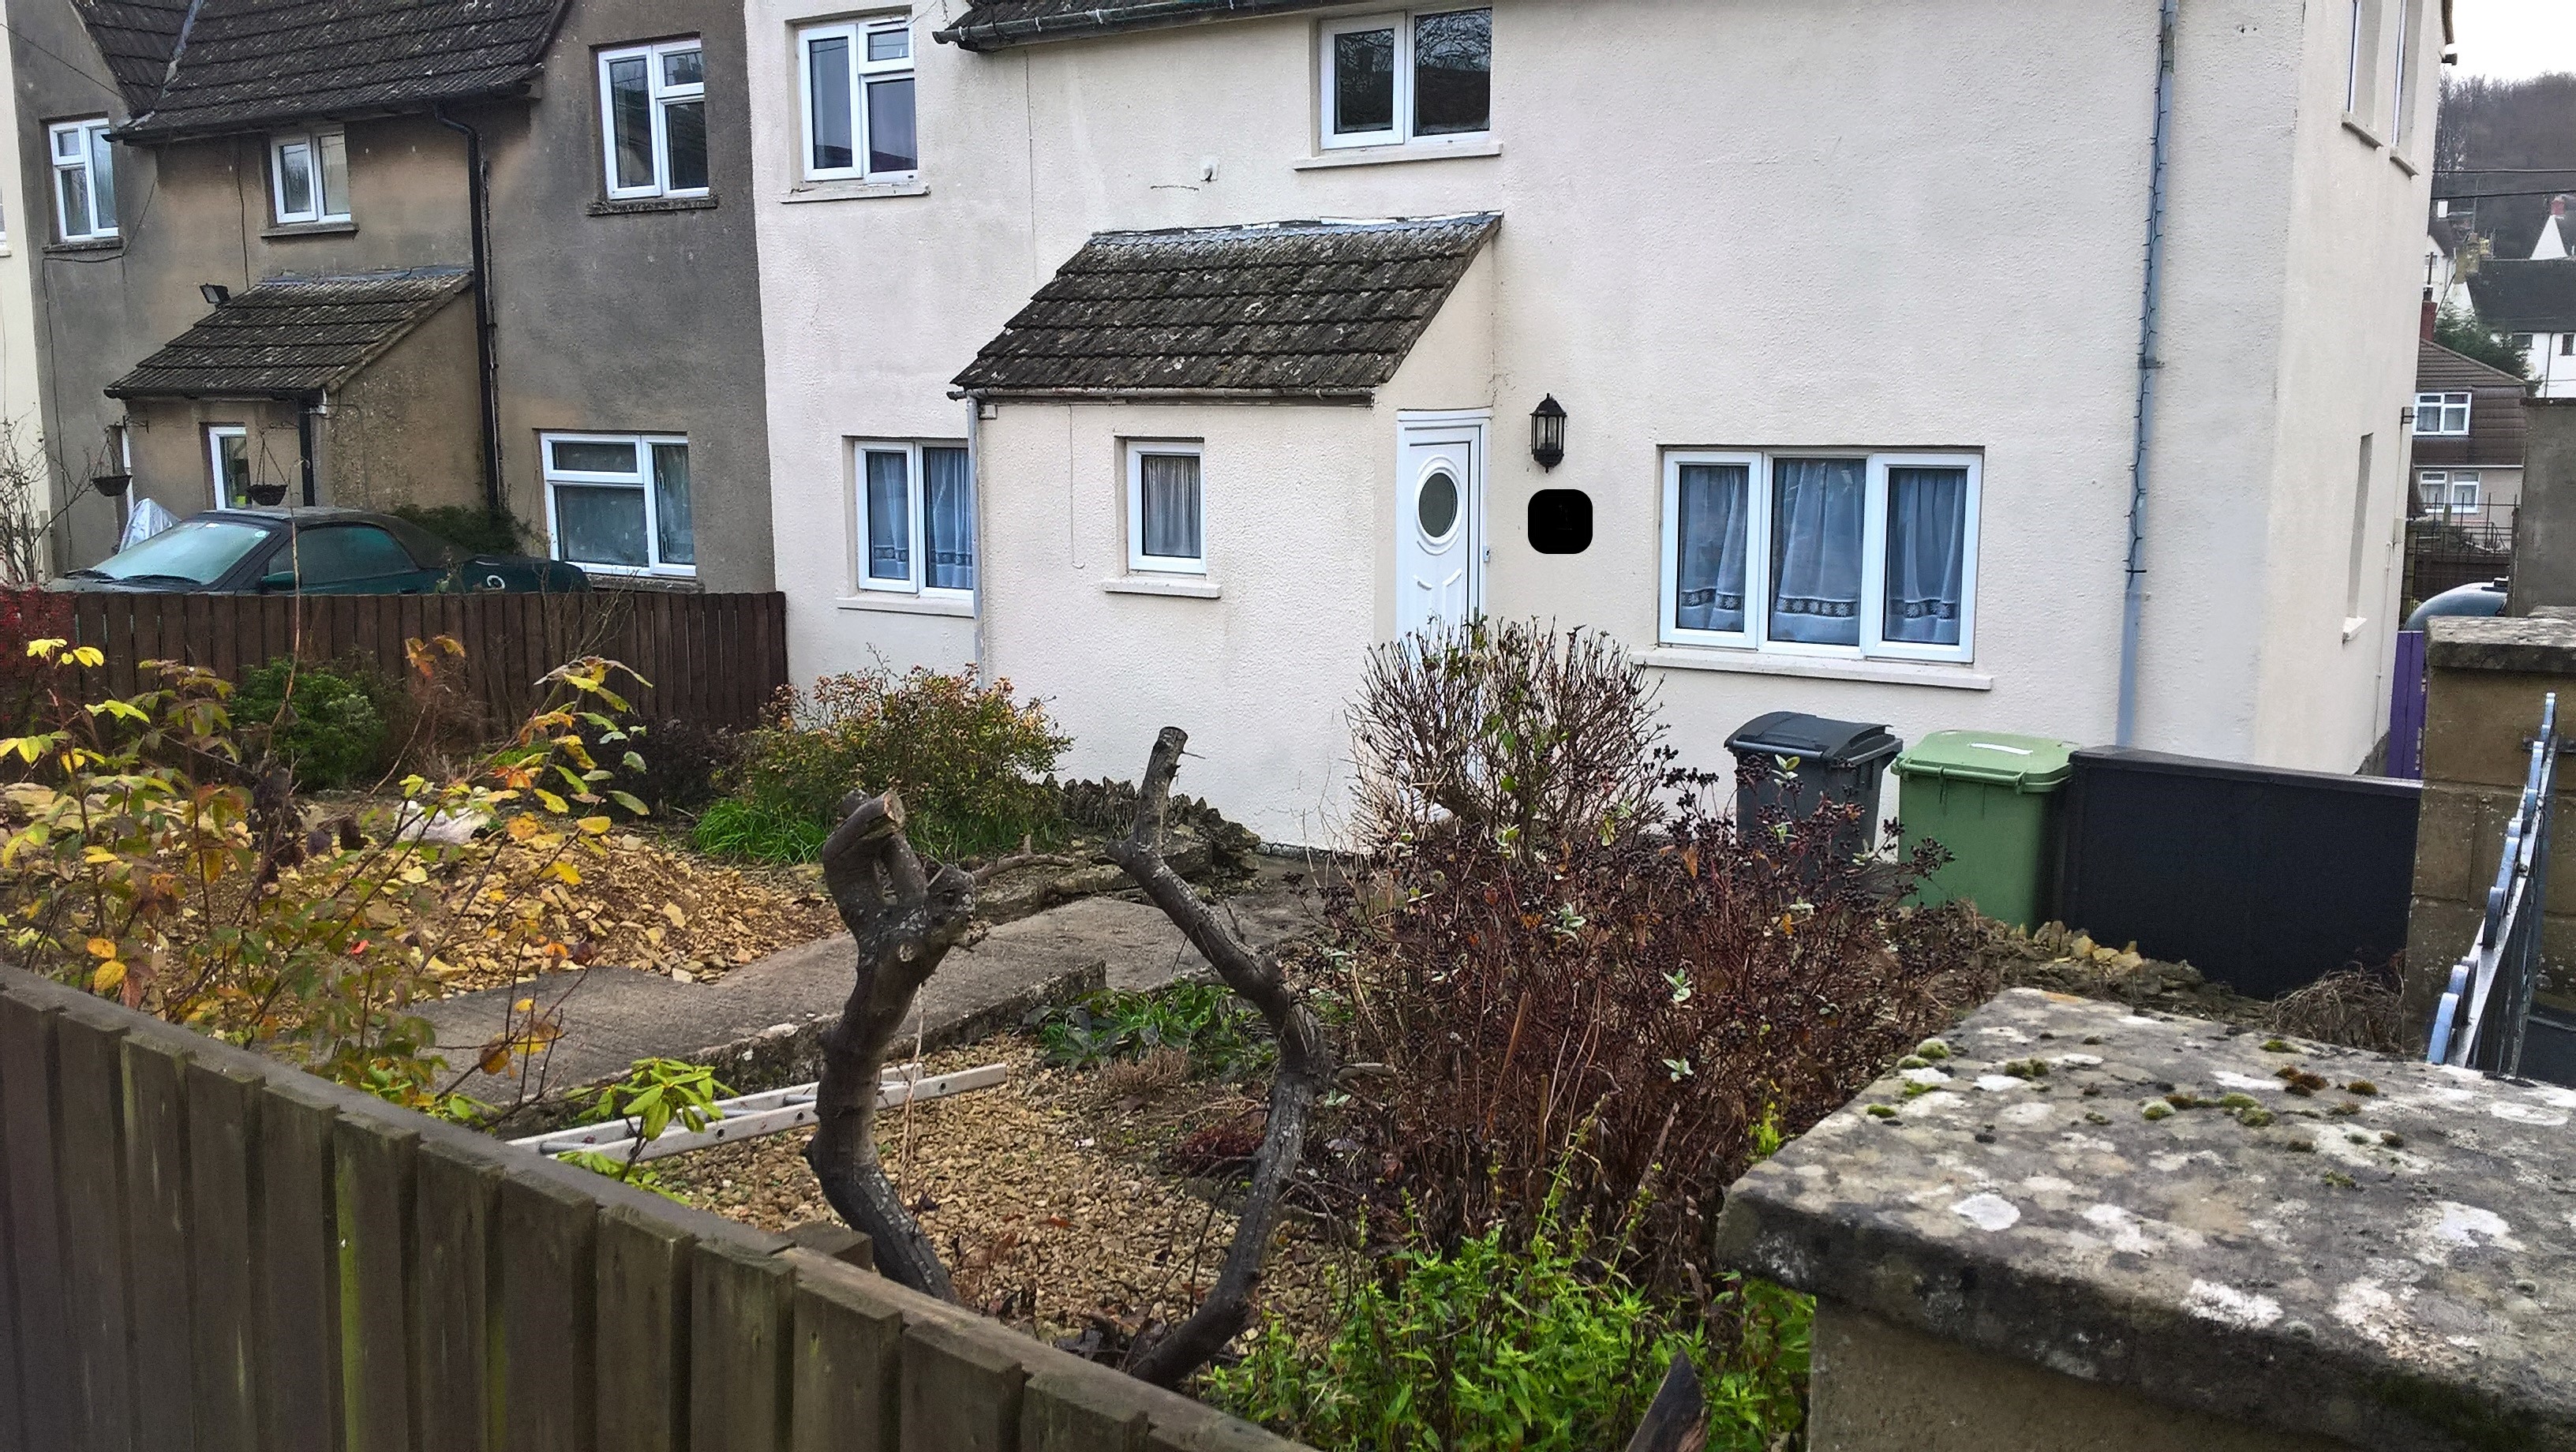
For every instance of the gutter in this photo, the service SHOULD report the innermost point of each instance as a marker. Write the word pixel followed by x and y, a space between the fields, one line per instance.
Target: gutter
pixel 486 357
pixel 1358 396
pixel 2133 600
pixel 1102 19
pixel 313 404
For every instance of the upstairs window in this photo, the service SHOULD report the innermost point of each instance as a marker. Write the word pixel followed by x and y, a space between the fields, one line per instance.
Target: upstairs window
pixel 84 180
pixel 653 113
pixel 620 502
pixel 916 519
pixel 1851 555
pixel 1389 79
pixel 2441 413
pixel 857 79
pixel 308 175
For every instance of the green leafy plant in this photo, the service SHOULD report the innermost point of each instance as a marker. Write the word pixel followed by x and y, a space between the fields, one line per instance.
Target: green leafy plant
pixel 758 829
pixel 655 1094
pixel 968 759
pixel 326 723
pixel 1538 1346
pixel 1223 1036
pixel 2460 331
pixel 476 531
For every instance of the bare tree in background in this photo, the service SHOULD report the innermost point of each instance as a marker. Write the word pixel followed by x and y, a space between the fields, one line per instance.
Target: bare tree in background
pixel 905 914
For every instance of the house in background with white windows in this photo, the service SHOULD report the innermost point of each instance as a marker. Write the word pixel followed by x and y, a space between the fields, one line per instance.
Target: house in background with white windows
pixel 384 254
pixel 1165 357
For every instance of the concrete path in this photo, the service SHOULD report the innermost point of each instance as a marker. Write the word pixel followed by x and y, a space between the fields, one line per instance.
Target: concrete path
pixel 759 1024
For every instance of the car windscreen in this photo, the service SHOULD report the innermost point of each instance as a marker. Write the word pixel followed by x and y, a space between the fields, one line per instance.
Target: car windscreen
pixel 201 550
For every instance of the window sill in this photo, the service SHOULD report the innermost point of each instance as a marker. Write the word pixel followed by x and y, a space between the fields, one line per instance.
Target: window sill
pixel 1186 587
pixel 1394 155
pixel 310 229
pixel 854 191
pixel 2399 159
pixel 887 602
pixel 607 577
pixel 1827 668
pixel 623 206
pixel 85 248
pixel 2352 626
pixel 2360 128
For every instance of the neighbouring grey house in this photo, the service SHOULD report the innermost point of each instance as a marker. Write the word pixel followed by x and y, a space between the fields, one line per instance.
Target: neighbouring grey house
pixel 2533 302
pixel 493 255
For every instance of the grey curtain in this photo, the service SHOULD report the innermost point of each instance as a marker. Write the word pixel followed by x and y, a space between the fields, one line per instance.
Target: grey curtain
pixel 1710 535
pixel 947 520
pixel 1171 504
pixel 1815 549
pixel 677 531
pixel 889 517
pixel 1927 538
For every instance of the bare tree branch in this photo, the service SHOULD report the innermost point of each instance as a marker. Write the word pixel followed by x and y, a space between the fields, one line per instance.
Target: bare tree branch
pixel 1305 1068
pixel 905 918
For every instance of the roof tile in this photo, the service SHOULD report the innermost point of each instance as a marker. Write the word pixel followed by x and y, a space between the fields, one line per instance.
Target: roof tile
pixel 2524 296
pixel 293 335
pixel 1278 309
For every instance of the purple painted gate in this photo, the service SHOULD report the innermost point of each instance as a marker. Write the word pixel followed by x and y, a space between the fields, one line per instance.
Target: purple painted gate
pixel 2406 708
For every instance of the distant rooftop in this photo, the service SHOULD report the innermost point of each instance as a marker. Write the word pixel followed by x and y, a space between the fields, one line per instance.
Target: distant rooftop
pixel 994 24
pixel 2526 297
pixel 293 335
pixel 1285 309
pixel 242 65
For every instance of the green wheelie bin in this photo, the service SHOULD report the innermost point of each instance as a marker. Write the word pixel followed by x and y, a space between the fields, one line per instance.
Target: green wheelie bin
pixel 1990 799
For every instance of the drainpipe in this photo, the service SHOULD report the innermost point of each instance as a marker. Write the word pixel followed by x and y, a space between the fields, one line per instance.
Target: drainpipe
pixel 305 413
pixel 2134 601
pixel 487 364
pixel 975 496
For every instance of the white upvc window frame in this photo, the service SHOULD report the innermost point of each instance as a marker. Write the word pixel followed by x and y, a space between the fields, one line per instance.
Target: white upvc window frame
pixel 641 479
pixel 90 147
pixel 916 515
pixel 1139 562
pixel 314 144
pixel 660 95
pixel 1400 133
pixel 1755 637
pixel 861 71
pixel 215 436
pixel 2436 405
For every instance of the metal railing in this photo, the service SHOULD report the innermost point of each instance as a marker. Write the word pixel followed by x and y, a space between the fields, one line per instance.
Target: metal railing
pixel 2486 1007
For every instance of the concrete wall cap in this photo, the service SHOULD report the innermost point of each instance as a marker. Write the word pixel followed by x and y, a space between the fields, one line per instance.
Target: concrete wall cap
pixel 2537 645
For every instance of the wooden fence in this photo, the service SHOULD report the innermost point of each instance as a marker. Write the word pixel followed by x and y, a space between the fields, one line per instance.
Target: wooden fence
pixel 202 1250
pixel 716 659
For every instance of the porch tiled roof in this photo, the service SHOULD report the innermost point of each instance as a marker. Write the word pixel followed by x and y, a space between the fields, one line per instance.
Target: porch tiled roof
pixel 293 335
pixel 1278 310
pixel 2439 367
pixel 137 39
pixel 247 64
pixel 2526 297
pixel 994 24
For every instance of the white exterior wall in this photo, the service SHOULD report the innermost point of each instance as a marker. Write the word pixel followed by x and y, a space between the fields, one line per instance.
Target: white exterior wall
pixel 2553 374
pixel 24 225
pixel 1821 224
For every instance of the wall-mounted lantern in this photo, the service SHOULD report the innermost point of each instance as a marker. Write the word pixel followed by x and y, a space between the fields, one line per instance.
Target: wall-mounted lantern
pixel 1547 432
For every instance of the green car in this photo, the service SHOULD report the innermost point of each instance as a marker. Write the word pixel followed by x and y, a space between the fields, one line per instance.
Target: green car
pixel 314 551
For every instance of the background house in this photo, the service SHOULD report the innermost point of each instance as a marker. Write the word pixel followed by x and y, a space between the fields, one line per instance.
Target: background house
pixel 593 364
pixel 1640 157
pixel 2468 437
pixel 2533 302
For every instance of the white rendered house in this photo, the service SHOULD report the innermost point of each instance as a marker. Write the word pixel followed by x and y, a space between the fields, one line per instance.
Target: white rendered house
pixel 1164 356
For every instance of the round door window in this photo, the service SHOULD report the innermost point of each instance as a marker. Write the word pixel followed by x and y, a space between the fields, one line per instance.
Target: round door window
pixel 1437 509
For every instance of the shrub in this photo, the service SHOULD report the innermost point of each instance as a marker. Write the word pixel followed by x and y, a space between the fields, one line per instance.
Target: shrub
pixel 148 861
pixel 685 763
pixel 1222 1035
pixel 1545 1345
pixel 967 758
pixel 475 531
pixel 1667 992
pixel 328 724
pixel 1518 731
pixel 26 616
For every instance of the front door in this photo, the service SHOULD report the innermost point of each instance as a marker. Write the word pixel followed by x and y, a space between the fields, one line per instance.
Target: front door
pixel 1439 522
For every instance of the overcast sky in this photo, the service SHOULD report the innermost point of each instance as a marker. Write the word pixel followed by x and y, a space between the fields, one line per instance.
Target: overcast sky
pixel 2512 39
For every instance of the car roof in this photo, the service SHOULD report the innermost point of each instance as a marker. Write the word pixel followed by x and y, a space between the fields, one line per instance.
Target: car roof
pixel 302 514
